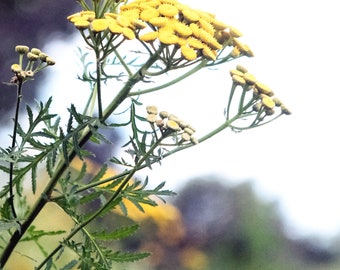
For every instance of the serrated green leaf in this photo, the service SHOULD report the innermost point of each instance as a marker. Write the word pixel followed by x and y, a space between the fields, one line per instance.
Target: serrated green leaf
pixel 34 234
pixel 34 179
pixel 117 234
pixel 70 265
pixel 30 115
pixel 121 257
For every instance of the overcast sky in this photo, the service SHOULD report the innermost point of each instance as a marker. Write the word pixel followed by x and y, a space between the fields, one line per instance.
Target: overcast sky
pixel 296 53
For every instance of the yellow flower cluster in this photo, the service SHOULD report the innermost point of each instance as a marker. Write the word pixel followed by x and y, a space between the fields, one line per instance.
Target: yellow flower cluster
pixel 195 32
pixel 116 24
pixel 261 92
pixel 169 123
pixel 36 60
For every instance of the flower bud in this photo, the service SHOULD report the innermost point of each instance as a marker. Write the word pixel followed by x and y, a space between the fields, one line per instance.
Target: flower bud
pixel 35 51
pixel 16 68
pixel 21 49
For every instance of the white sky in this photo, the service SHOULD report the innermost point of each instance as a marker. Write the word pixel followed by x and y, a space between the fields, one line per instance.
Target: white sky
pixel 294 159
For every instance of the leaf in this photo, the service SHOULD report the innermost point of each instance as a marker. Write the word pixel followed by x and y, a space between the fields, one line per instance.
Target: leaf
pixel 70 265
pixel 127 256
pixel 34 178
pixel 7 225
pixel 34 234
pixel 117 234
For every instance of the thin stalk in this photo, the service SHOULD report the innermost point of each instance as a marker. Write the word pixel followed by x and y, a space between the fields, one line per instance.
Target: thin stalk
pixel 98 85
pixel 182 77
pixel 14 136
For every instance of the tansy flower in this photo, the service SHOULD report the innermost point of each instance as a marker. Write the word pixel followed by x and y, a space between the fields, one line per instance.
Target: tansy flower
pixel 267 102
pixel 208 53
pixel 149 37
pixel 264 89
pixel 190 15
pixel 16 68
pixel 171 124
pixel 99 25
pixel 128 33
pixel 188 53
pixel 168 10
pixel 21 49
pixel 148 14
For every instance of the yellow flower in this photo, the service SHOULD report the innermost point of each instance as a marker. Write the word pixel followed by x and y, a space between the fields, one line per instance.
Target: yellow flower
pixel 149 37
pixel 123 21
pixel 209 53
pixel 267 102
pixel 99 25
pixel 250 78
pixel 209 39
pixel 188 53
pixel 148 14
pixel 182 29
pixel 206 26
pixel 81 24
pixel 167 37
pixel 190 15
pixel 167 10
pixel 195 43
pixel 285 110
pixel 159 21
pixel 171 124
pixel 238 80
pixel 138 24
pixel 50 61
pixel 236 72
pixel 218 24
pixel 115 28
pixel 264 89
pixel 128 33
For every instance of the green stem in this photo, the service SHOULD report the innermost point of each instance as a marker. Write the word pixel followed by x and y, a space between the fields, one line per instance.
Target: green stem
pixel 14 136
pixel 98 85
pixel 180 78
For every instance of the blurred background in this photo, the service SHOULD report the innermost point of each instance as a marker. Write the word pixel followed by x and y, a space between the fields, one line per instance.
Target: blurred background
pixel 239 206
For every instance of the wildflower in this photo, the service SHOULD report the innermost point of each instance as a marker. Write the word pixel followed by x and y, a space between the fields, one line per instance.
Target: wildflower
pixel 148 14
pixel 32 56
pixel 151 118
pixel 182 29
pixel 114 28
pixel 152 109
pixel 128 33
pixel 185 136
pixel 50 61
pixel 167 10
pixel 241 68
pixel 99 25
pixel 277 102
pixel 249 78
pixel 163 114
pixel 35 51
pixel 188 53
pixel 236 72
pixel 16 68
pixel 82 24
pixel 167 37
pixel 149 37
pixel 172 125
pixel 238 80
pixel 264 89
pixel 159 21
pixel 189 130
pixel 190 15
pixel 21 49
pixel 234 32
pixel 267 102
pixel 208 53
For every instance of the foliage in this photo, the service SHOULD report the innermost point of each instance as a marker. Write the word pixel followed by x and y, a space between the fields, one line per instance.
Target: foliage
pixel 169 36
